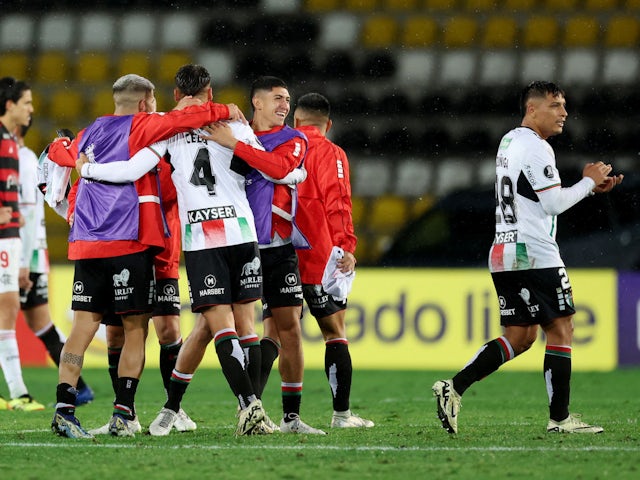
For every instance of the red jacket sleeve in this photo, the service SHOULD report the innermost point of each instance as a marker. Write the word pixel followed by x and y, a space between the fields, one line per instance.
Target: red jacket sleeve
pixel 65 157
pixel 148 128
pixel 277 163
pixel 334 183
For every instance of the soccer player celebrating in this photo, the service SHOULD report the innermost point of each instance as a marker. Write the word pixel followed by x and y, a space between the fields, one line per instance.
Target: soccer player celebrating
pixel 529 276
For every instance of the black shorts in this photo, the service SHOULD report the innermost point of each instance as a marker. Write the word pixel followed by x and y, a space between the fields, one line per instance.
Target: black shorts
pixel 39 293
pixel 225 275
pixel 533 297
pixel 167 301
pixel 123 285
pixel 111 319
pixel 320 303
pixel 282 284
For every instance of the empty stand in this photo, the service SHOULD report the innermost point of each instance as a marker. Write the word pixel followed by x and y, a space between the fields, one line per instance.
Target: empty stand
pixel 97 32
pixel 453 174
pixel 560 5
pixel 622 31
pixel 441 5
pixel 14 64
pixel 178 31
pixel 101 103
pixel 134 62
pixel 52 67
pixel 360 5
pixel 234 94
pixel 378 64
pixel 580 67
pixel 93 67
pixel 601 5
pixel 17 31
pixel 498 67
pixel 320 6
pixel 519 5
pixel 66 106
pixel 379 31
pixel 168 64
pixel 220 63
pixel 57 32
pixel 416 67
pixel 581 31
pixel 138 32
pixel 414 177
pixel 359 209
pixel 387 214
pixel 459 31
pixel 500 31
pixel 339 30
pixel 540 31
pixel 537 64
pixel 419 31
pixel 370 177
pixel 457 67
pixel 400 5
pixel 479 6
pixel 621 66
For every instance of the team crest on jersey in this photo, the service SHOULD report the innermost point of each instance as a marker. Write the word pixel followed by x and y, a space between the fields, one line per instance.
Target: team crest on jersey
pixel 548 171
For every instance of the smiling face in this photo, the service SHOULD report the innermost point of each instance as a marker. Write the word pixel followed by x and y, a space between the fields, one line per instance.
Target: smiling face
pixel 546 115
pixel 270 108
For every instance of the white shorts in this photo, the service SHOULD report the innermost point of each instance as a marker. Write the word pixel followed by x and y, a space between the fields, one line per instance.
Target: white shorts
pixel 10 252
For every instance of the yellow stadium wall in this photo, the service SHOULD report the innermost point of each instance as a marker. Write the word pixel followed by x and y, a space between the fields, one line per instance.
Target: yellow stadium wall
pixel 415 319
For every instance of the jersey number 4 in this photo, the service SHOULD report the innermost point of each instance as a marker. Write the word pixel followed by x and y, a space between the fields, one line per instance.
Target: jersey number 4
pixel 202 176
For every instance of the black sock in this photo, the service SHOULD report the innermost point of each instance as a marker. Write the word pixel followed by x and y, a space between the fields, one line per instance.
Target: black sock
pixel 557 376
pixel 487 360
pixel 269 349
pixel 253 353
pixel 338 368
pixel 168 358
pixel 66 394
pixel 113 357
pixel 291 400
pixel 229 353
pixel 126 396
pixel 177 387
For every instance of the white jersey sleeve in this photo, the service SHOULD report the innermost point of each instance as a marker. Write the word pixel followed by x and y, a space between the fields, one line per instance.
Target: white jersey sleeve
pixel 31 203
pixel 125 171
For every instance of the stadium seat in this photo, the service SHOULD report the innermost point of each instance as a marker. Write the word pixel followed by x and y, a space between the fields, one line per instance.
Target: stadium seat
pixel 57 32
pixel 97 32
pixel 220 63
pixel 399 5
pixel 338 64
pixel 631 4
pixel 580 67
pixel 581 31
pixel 419 31
pixel 601 5
pixel 620 67
pixel 168 64
pixel 459 31
pixel 560 5
pixel 234 94
pixel 387 214
pixel 414 177
pixel 339 30
pixel 415 67
pixel 40 103
pixel 452 174
pixel 622 31
pixel 138 32
pixel 379 31
pixel 361 5
pixel 500 31
pixel 537 64
pixel 540 31
pixel 14 64
pixel 421 204
pixel 178 31
pixel 370 177
pixel 219 33
pixel 457 67
pixel 435 141
pixel 101 103
pixel 441 5
pixel 52 67
pixel 134 62
pixel 478 6
pixel 519 5
pixel 486 171
pixel 396 141
pixel 66 106
pixel 93 67
pixel 354 139
pixel 358 211
pixel 16 31
pixel 498 67
pixel 320 6
pixel 278 7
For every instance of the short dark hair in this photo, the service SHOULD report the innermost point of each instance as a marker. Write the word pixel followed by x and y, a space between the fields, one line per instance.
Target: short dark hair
pixel 538 89
pixel 266 82
pixel 315 103
pixel 11 89
pixel 192 79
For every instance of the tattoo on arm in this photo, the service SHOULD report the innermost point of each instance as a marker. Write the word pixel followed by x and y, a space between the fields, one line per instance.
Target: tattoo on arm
pixel 72 359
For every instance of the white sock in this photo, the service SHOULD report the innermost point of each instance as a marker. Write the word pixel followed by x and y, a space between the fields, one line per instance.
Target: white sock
pixel 10 363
